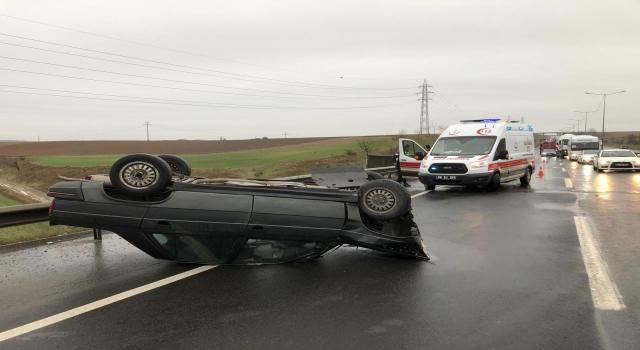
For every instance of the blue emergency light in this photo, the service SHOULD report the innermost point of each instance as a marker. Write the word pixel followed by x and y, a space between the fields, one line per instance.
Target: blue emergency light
pixel 491 120
pixel 521 128
pixel 508 128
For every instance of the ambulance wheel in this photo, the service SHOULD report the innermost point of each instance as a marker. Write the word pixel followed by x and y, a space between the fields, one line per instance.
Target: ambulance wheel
pixel 177 164
pixel 430 187
pixel 494 184
pixel 372 175
pixel 140 175
pixel 526 179
pixel 383 200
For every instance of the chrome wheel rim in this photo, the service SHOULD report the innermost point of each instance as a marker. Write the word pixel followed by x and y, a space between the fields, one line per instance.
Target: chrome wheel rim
pixel 380 200
pixel 139 175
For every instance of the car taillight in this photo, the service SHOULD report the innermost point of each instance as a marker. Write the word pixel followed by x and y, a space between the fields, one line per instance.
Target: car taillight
pixel 51 207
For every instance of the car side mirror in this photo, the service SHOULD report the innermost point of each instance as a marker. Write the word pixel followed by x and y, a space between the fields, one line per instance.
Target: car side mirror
pixel 419 155
pixel 504 154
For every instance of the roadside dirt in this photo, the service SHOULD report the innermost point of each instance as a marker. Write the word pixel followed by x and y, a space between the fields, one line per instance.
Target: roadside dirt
pixel 22 193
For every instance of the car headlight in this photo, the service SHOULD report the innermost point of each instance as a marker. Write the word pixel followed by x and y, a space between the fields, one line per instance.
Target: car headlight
pixel 476 165
pixel 638 161
pixel 602 161
pixel 426 164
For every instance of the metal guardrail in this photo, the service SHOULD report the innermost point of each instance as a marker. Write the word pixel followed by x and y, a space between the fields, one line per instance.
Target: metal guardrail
pixel 17 215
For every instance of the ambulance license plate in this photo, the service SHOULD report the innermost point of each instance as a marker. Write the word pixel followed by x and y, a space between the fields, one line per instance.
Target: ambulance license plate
pixel 445 177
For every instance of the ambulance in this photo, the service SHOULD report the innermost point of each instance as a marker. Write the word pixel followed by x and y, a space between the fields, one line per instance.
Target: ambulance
pixel 483 152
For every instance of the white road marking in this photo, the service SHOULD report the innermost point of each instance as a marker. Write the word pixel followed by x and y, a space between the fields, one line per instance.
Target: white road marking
pixel 98 304
pixel 420 194
pixel 568 183
pixel 604 291
pixel 564 170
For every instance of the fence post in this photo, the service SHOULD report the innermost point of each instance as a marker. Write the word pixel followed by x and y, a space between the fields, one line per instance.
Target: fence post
pixel 97 234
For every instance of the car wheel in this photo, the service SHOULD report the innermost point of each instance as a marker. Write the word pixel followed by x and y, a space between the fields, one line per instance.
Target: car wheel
pixel 495 182
pixel 600 170
pixel 140 174
pixel 372 175
pixel 177 164
pixel 526 179
pixel 383 200
pixel 430 187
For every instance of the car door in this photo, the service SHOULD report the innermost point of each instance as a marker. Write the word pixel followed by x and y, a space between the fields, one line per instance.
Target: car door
pixel 208 213
pixel 517 162
pixel 285 218
pixel 410 154
pixel 500 164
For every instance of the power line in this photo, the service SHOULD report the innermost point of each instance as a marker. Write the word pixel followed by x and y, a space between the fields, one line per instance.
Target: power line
pixel 454 112
pixel 177 65
pixel 446 109
pixel 124 96
pixel 138 76
pixel 304 96
pixel 169 49
pixel 456 106
pixel 207 104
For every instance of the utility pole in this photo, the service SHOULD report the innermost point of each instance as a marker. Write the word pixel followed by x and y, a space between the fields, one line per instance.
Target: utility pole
pixel 424 108
pixel 285 134
pixel 522 120
pixel 147 125
pixel 578 120
pixel 604 108
pixel 585 118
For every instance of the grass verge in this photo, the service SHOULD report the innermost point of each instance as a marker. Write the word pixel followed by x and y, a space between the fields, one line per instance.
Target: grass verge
pixel 32 231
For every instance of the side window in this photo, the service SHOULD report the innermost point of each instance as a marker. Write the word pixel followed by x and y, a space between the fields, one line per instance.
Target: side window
pixel 408 148
pixel 502 146
pixel 258 251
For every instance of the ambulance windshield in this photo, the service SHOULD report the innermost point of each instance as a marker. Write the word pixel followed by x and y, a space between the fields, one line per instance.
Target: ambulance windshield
pixel 463 145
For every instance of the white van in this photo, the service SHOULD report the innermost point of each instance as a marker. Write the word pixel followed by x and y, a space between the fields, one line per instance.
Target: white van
pixel 483 152
pixel 578 144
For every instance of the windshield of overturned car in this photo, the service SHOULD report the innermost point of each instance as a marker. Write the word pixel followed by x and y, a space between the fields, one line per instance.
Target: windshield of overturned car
pixel 463 145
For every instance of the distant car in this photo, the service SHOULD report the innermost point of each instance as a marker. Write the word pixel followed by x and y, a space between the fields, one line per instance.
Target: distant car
pixel 548 152
pixel 616 160
pixel 624 147
pixel 587 156
pixel 154 204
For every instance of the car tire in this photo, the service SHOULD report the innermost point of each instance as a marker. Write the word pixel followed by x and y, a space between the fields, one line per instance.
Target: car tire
pixel 140 175
pixel 600 170
pixel 526 178
pixel 383 200
pixel 177 164
pixel 494 184
pixel 372 175
pixel 430 187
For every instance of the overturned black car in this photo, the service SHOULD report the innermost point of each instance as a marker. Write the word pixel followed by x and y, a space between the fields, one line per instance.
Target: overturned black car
pixel 155 204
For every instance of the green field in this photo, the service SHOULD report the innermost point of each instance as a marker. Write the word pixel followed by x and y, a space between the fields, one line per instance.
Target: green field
pixel 241 159
pixel 32 231
pixel 217 160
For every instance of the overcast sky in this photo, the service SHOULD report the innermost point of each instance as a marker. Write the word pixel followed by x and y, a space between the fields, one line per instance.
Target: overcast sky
pixel 315 62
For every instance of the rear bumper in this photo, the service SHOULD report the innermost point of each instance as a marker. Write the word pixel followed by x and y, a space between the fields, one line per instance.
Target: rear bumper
pixel 480 179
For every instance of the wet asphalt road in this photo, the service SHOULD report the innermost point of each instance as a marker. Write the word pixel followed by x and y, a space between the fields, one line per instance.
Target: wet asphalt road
pixel 506 272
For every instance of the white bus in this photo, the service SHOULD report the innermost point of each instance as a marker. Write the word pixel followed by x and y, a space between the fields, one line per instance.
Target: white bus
pixel 581 143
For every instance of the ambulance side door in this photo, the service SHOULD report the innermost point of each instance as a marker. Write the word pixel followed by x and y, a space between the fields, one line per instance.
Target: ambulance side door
pixel 517 160
pixel 411 154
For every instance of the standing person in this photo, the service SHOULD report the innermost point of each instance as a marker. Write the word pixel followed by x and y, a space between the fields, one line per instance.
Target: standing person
pixel 401 180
